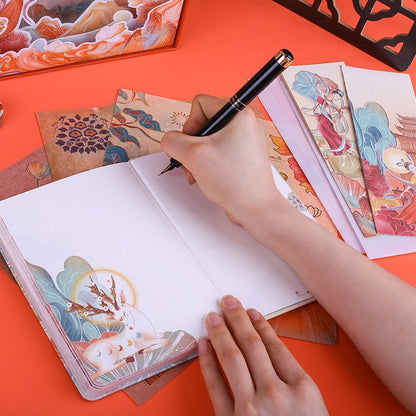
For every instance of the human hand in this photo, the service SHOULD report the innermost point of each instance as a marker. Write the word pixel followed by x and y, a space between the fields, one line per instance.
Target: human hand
pixel 262 378
pixel 230 166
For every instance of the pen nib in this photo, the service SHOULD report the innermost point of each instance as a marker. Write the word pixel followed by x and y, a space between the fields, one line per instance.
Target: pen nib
pixel 167 169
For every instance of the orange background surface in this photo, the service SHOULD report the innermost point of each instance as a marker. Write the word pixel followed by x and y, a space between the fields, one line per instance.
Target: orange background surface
pixel 221 44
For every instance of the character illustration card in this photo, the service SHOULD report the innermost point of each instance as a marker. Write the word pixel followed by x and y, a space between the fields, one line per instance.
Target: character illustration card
pixel 320 95
pixel 386 136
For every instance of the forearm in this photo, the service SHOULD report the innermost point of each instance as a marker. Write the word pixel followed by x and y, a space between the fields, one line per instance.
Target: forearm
pixel 376 309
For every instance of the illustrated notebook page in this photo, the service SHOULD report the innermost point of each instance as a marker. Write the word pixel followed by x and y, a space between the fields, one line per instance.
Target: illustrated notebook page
pixel 383 107
pixel 101 232
pixel 283 111
pixel 233 261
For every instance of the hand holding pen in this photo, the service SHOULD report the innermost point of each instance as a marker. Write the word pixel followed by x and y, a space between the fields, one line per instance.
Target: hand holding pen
pixel 243 97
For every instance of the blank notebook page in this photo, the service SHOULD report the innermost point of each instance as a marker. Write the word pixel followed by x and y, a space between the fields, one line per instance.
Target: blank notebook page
pixel 233 261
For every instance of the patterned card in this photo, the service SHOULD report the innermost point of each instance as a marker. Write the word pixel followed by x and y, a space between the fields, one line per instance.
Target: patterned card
pixel 75 140
pixel 139 122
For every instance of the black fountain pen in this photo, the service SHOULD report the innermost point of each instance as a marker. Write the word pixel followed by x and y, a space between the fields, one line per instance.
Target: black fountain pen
pixel 243 97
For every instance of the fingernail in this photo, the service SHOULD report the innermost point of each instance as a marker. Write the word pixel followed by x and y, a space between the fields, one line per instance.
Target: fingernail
pixel 213 319
pixel 229 302
pixel 203 345
pixel 253 314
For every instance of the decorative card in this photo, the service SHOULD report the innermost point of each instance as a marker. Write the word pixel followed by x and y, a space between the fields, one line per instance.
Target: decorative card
pixel 75 140
pixel 40 34
pixel 320 95
pixel 284 162
pixel 383 107
pixel 139 122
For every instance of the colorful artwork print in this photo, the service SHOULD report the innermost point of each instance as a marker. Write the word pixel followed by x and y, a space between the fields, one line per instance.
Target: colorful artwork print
pixel 320 95
pixel 28 173
pixel 97 309
pixel 389 167
pixel 386 136
pixel 39 34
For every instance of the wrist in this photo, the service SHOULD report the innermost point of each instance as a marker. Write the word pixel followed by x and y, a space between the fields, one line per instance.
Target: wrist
pixel 269 219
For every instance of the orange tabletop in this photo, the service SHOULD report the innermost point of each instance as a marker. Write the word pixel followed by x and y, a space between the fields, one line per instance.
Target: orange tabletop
pixel 221 44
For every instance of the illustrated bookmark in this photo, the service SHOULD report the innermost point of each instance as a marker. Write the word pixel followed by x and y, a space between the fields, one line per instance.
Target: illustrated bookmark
pixel 383 107
pixel 319 93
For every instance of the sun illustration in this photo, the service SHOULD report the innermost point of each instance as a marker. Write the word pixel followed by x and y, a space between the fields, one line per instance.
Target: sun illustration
pixel 178 118
pixel 103 279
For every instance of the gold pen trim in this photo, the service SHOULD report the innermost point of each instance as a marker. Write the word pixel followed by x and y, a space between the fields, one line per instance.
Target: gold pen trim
pixel 236 103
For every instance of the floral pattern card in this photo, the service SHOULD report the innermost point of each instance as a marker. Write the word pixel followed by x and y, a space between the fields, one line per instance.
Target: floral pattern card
pixel 75 140
pixel 320 95
pixel 383 107
pixel 40 34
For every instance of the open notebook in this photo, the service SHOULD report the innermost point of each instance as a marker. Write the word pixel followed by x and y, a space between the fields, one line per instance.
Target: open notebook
pixel 121 266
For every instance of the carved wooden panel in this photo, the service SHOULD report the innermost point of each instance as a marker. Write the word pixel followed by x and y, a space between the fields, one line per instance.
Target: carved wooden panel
pixel 385 29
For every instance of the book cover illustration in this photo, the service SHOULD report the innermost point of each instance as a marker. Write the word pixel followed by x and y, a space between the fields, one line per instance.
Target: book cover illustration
pixel 40 34
pixel 99 314
pixel 386 136
pixel 319 93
